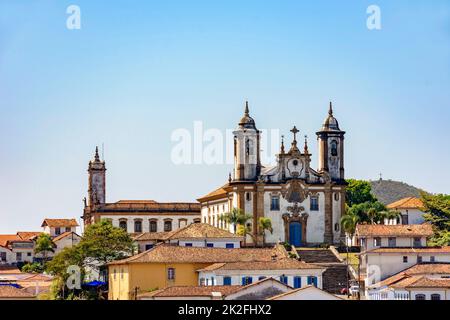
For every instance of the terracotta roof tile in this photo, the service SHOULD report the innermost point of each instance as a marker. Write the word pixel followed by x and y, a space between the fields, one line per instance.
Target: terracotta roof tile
pixel 191 291
pixel 28 235
pixel 7 291
pixel 149 206
pixel 216 194
pixel 202 230
pixel 411 250
pixel 63 235
pixel 165 253
pixel 58 223
pixel 406 203
pixel 9 270
pixel 6 238
pixel 148 236
pixel 408 230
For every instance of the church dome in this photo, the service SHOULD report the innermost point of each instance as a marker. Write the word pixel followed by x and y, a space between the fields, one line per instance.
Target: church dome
pixel 246 121
pixel 330 122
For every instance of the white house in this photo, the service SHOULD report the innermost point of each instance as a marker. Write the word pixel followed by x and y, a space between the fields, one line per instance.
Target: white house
pixel 193 235
pixel 306 293
pixel 429 281
pixel 288 271
pixel 56 227
pixel 410 209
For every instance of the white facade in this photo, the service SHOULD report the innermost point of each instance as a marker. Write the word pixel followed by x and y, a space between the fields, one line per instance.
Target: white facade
pixel 307 293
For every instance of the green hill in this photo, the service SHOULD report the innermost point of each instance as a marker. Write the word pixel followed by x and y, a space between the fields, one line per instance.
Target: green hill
pixel 388 191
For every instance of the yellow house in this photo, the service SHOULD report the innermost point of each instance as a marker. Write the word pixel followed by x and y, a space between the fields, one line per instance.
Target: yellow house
pixel 168 265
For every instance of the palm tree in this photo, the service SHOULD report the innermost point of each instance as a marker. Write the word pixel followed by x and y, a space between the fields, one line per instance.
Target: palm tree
pixel 349 222
pixel 391 214
pixel 236 217
pixel 263 225
pixel 373 215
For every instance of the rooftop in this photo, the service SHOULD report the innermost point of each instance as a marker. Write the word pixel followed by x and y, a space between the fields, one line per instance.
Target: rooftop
pixel 280 264
pixel 150 206
pixel 60 223
pixel 191 291
pixel 7 291
pixel 219 193
pixel 165 253
pixel 407 230
pixel 406 203
pixel 202 230
pixel 410 250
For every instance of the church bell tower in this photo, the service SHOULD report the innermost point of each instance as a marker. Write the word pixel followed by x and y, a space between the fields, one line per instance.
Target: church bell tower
pixel 97 181
pixel 331 147
pixel 247 162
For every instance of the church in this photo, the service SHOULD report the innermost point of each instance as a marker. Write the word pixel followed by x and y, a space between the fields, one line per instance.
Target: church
pixel 305 205
pixel 134 216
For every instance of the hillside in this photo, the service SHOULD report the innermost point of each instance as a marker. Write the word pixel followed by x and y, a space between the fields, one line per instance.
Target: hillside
pixel 388 191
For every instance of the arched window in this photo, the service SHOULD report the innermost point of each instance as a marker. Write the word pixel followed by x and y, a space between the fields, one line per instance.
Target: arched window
pixel 435 296
pixel 420 297
pixel 334 148
pixel 123 224
pixel 153 226
pixel 138 226
pixel 168 225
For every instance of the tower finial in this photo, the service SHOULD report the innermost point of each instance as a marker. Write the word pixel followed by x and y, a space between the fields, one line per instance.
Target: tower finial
pixel 247 112
pixel 97 157
pixel 330 111
pixel 282 145
pixel 305 149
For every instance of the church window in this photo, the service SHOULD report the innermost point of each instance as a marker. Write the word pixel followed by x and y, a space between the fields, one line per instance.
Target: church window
pixel 334 151
pixel 336 227
pixel 168 225
pixel 153 226
pixel 336 196
pixel 435 296
pixel 275 203
pixel 171 273
pixel 138 226
pixel 314 203
pixel 123 224
pixel 420 297
pixel 248 147
pixel 248 196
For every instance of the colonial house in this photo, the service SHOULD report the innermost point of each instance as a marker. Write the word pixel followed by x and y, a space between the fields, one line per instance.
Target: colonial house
pixel 306 293
pixel 56 227
pixel 66 240
pixel 411 211
pixel 430 281
pixel 189 293
pixel 305 205
pixel 288 271
pixel 193 235
pixel 168 265
pixel 134 216
pixel 16 248
pixel 389 249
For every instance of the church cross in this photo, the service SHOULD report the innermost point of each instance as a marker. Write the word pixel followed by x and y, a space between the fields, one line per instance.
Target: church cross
pixel 295 131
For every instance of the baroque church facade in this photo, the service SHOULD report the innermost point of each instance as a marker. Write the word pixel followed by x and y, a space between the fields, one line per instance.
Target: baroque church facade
pixel 134 216
pixel 304 205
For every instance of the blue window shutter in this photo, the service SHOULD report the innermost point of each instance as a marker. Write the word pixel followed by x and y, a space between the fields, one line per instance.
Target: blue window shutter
pixel 243 281
pixel 249 280
pixel 227 281
pixel 297 282
pixel 229 245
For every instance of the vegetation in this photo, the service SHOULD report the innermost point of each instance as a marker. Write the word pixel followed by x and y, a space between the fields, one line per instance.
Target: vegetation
pixel 265 224
pixel 44 245
pixel 236 218
pixel 34 267
pixel 437 208
pixel 101 243
pixel 358 191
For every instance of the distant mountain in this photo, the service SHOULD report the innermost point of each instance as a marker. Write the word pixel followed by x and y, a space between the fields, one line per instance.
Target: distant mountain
pixel 388 191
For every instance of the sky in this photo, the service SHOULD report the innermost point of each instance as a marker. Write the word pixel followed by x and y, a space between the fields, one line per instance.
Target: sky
pixel 137 71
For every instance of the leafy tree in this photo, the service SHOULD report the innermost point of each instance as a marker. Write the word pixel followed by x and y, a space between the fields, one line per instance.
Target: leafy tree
pixel 33 268
pixel 265 224
pixel 101 243
pixel 358 191
pixel 368 212
pixel 437 208
pixel 44 245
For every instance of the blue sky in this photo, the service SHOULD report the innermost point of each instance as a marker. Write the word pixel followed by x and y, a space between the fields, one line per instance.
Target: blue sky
pixel 138 70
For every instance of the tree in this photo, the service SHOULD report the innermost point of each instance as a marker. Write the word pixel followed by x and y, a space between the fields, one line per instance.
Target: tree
pixel 236 217
pixel 369 212
pixel 263 225
pixel 358 191
pixel 349 222
pixel 33 268
pixel 101 243
pixel 44 245
pixel 437 208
